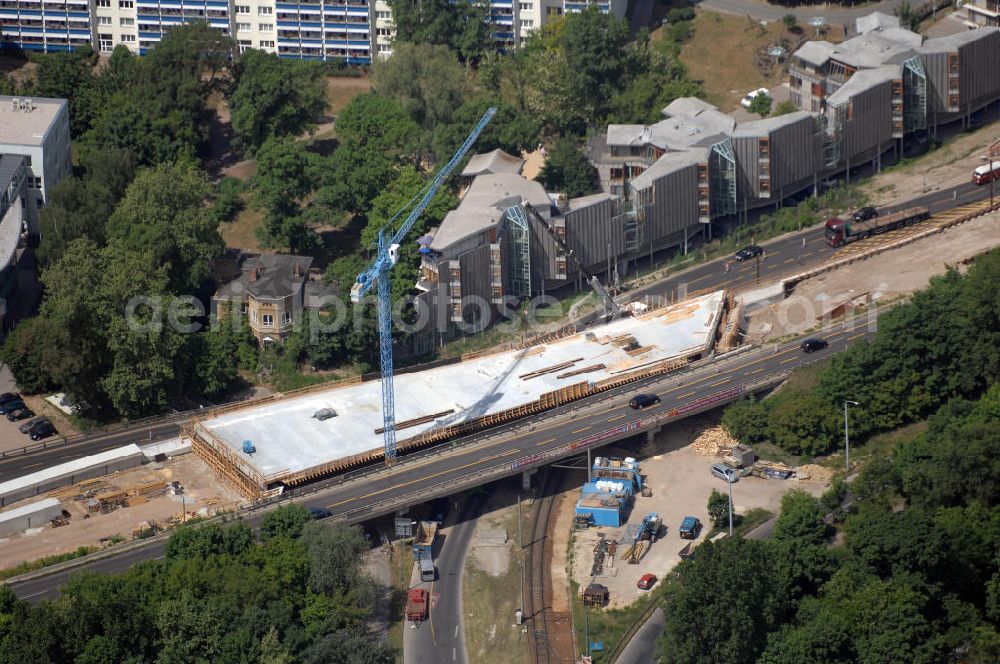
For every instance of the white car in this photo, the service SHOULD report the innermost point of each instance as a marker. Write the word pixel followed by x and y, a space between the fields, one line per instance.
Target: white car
pixel 752 95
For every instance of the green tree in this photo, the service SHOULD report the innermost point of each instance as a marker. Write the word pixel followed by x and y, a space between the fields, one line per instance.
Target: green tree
pixel 427 80
pixel 761 105
pixel 722 604
pixel 273 97
pixel 286 521
pixel 461 26
pixel 567 170
pixel 373 121
pixel 790 21
pixel 718 509
pixel 286 174
pixel 784 108
pixel 598 61
pixel 69 76
pixel 163 214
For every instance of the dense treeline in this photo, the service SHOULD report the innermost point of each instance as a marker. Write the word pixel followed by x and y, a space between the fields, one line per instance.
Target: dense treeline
pixel 943 344
pixel 297 594
pixel 915 579
pixel 911 574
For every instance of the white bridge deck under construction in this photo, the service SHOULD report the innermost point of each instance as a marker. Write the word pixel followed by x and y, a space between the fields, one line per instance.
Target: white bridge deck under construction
pixel 288 439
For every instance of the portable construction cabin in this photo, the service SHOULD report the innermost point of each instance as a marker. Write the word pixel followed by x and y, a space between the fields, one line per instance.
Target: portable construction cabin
pixel 606 502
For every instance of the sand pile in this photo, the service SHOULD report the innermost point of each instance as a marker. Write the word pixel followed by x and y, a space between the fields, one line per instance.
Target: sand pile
pixel 714 441
pixel 810 472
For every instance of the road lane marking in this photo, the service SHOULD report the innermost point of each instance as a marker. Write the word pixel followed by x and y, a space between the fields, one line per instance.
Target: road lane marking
pixel 758 370
pixel 724 380
pixel 582 430
pixel 545 442
pixel 685 396
pixel 863 334
pixel 790 359
pixel 35 465
pixel 617 418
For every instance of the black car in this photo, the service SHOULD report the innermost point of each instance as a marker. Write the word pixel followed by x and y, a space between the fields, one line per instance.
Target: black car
pixel 9 396
pixel 643 401
pixel 746 253
pixel 810 345
pixel 864 214
pixel 11 406
pixel 19 414
pixel 320 513
pixel 43 430
pixel 32 423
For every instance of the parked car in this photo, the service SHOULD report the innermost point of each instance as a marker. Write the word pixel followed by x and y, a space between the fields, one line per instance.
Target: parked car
pixel 746 253
pixel 9 396
pixel 646 581
pixel 11 406
pixel 26 427
pixel 725 473
pixel 811 345
pixel 864 214
pixel 753 94
pixel 43 430
pixel 640 401
pixel 690 527
pixel 19 414
pixel 320 513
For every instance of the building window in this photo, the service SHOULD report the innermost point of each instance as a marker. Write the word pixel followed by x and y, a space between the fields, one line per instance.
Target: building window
pixel 527 23
pixel 126 4
pixel 243 308
pixel 104 20
pixel 242 27
pixel 265 27
pixel 242 9
pixel 265 11
pixel 267 44
pixel 286 318
pixel 128 38
pixel 127 22
pixel 383 32
pixel 245 44
pixel 383 15
pixel 253 316
pixel 103 3
pixel 268 320
pixel 525 6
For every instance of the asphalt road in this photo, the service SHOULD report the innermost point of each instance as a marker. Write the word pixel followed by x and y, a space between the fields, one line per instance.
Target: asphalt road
pixel 361 497
pixel 17 466
pixel 441 639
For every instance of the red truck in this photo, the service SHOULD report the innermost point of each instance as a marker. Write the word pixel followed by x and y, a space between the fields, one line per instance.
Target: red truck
pixel 841 231
pixel 417 605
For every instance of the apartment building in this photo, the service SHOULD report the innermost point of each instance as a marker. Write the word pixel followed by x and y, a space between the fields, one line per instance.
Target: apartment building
pixel 36 129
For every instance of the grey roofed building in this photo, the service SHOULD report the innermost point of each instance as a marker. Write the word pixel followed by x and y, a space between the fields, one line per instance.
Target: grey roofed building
pixel 484 204
pixel 875 21
pixel 689 106
pixel 877 48
pixel 494 162
pixel 582 202
pixel 951 43
pixel 764 126
pixel 674 133
pixel 864 79
pixel 668 163
pixel 815 53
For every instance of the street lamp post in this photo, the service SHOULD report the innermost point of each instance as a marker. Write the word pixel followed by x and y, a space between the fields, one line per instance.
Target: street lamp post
pixel 847 439
pixel 730 507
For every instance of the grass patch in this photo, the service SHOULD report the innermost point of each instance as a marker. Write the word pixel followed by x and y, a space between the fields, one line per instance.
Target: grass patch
pixel 771 452
pixel 242 231
pixel 742 523
pixel 488 603
pixel 32 565
pixel 734 40
pixel 607 626
pixel 401 562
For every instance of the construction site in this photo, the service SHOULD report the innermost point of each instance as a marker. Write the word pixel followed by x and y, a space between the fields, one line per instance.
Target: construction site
pixel 292 439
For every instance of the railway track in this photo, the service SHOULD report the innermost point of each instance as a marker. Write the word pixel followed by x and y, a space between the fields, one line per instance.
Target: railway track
pixel 537 609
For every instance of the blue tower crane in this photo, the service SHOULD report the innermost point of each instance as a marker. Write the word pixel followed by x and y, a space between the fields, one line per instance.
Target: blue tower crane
pixel 377 274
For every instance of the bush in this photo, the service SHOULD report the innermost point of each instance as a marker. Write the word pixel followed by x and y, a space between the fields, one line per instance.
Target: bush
pixel 228 202
pixel 718 509
pixel 678 14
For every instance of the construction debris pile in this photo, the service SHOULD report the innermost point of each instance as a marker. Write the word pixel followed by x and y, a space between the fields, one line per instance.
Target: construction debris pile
pixel 714 442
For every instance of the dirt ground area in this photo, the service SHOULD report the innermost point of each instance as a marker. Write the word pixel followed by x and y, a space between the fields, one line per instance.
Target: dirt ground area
pixel 203 495
pixel 533 162
pixel 491 582
pixel 882 277
pixel 736 40
pixel 681 482
pixel 939 170
pixel 18 69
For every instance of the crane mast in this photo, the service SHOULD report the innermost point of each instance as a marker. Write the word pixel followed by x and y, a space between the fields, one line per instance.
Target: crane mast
pixel 377 275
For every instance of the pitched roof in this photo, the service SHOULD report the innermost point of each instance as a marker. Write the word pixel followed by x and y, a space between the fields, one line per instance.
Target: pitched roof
pixel 875 21
pixel 484 204
pixel 669 163
pixel 689 123
pixel 950 43
pixel 864 79
pixel 765 126
pixel 497 161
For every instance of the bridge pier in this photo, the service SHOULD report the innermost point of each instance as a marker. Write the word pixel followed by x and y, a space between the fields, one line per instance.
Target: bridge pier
pixel 651 435
pixel 526 478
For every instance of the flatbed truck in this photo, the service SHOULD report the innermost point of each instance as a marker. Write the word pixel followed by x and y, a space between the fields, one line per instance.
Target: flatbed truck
pixel 841 231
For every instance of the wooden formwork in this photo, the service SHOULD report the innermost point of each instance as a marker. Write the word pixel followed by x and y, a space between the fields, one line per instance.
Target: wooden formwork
pixel 221 458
